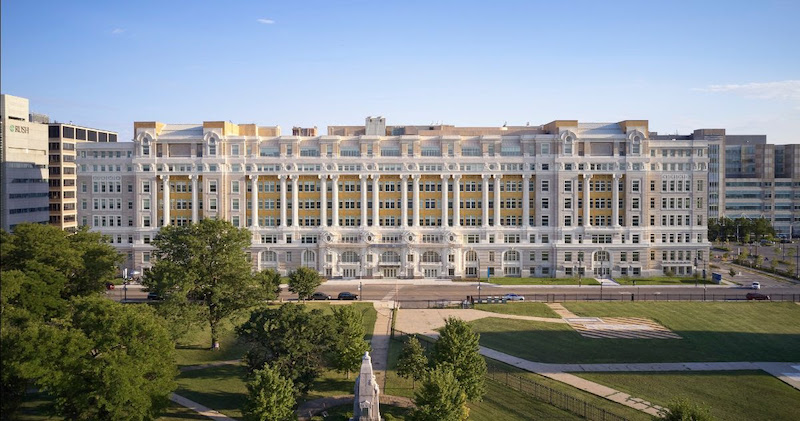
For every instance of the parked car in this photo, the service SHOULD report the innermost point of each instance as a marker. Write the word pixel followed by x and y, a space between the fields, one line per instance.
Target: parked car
pixel 757 296
pixel 513 297
pixel 319 296
pixel 347 296
pixel 154 296
pixel 756 285
pixel 109 285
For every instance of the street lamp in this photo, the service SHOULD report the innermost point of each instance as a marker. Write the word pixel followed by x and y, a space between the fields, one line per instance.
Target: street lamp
pixel 359 292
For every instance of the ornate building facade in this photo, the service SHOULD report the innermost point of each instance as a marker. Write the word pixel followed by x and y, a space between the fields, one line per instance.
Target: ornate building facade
pixel 378 201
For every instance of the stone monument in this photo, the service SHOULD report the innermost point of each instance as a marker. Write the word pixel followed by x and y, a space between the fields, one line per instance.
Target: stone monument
pixel 365 405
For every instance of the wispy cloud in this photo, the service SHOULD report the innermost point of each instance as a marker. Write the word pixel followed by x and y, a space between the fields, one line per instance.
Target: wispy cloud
pixel 265 21
pixel 117 31
pixel 786 89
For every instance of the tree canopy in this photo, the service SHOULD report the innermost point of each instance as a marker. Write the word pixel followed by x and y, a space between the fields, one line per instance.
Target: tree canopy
pixel 290 339
pixel 440 398
pixel 412 362
pixel 303 281
pixel 740 229
pixel 205 265
pixel 458 348
pixel 347 345
pixel 682 409
pixel 270 396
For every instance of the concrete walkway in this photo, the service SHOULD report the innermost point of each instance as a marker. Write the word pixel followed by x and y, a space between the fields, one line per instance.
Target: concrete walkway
pixel 200 409
pixel 562 311
pixel 427 321
pixel 380 339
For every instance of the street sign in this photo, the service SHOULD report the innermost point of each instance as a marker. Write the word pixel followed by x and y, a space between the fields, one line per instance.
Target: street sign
pixel 716 277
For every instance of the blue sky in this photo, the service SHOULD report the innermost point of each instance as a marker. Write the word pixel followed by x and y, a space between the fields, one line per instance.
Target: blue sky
pixel 681 65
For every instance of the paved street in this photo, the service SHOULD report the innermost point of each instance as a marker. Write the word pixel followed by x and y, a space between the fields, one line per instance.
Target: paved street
pixel 384 290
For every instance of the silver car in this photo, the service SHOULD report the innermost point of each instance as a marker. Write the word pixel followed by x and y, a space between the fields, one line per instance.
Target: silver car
pixel 513 297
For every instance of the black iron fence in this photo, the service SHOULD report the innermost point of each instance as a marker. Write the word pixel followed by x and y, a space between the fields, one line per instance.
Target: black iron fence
pixel 499 372
pixel 608 297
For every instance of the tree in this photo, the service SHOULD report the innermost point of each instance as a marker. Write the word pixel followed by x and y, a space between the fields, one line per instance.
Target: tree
pixel 759 261
pixel 289 339
pixel 732 272
pixel 440 398
pixel 105 361
pixel 270 280
pixel 458 347
pixel 412 362
pixel 83 260
pixel 205 265
pixel 348 345
pixel 304 281
pixel 269 396
pixel 683 410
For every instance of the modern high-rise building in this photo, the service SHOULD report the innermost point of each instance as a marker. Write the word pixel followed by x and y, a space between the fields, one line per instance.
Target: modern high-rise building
pixel 749 178
pixel 24 196
pixel 62 140
pixel 438 201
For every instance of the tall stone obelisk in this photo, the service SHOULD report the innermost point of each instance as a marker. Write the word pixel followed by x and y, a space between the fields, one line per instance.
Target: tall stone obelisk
pixel 365 405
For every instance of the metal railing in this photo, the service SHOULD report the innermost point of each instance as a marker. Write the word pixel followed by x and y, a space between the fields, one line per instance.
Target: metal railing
pixel 497 372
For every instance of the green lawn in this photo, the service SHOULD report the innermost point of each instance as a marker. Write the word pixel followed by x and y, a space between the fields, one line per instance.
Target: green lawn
pixel 534 281
pixel 663 280
pixel 732 395
pixel 221 388
pixel 519 309
pixel 503 403
pixel 746 331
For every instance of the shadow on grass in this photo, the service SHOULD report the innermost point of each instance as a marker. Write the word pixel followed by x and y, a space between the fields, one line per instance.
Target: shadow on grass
pixel 561 344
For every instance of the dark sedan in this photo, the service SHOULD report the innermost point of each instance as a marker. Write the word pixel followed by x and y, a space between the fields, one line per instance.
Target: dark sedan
pixel 319 296
pixel 757 296
pixel 347 296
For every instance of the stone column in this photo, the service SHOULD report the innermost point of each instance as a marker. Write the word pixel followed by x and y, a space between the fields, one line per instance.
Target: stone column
pixel 375 199
pixel 165 181
pixel 497 199
pixel 587 220
pixel 363 178
pixel 415 210
pixel 445 181
pixel 154 202
pixel 195 206
pixel 283 200
pixel 615 200
pixel 526 199
pixel 456 200
pixel 295 200
pixel 485 206
pixel 254 200
pixel 335 200
pixel 323 200
pixel 404 200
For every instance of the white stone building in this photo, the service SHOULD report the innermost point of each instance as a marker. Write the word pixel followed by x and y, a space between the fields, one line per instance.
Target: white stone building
pixel 440 201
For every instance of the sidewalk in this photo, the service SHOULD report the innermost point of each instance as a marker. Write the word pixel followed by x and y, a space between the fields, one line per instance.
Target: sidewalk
pixel 200 409
pixel 380 340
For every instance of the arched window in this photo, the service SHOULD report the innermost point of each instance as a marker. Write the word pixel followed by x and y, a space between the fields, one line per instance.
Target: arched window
pixel 568 145
pixel 471 256
pixel 145 147
pixel 636 145
pixel 212 147
pixel 511 256
pixel 601 256
pixel 390 257
pixel 309 256
pixel 269 257
pixel 431 257
pixel 350 257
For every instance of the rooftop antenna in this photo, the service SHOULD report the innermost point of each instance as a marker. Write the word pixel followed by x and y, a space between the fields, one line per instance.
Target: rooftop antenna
pixel 527 124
